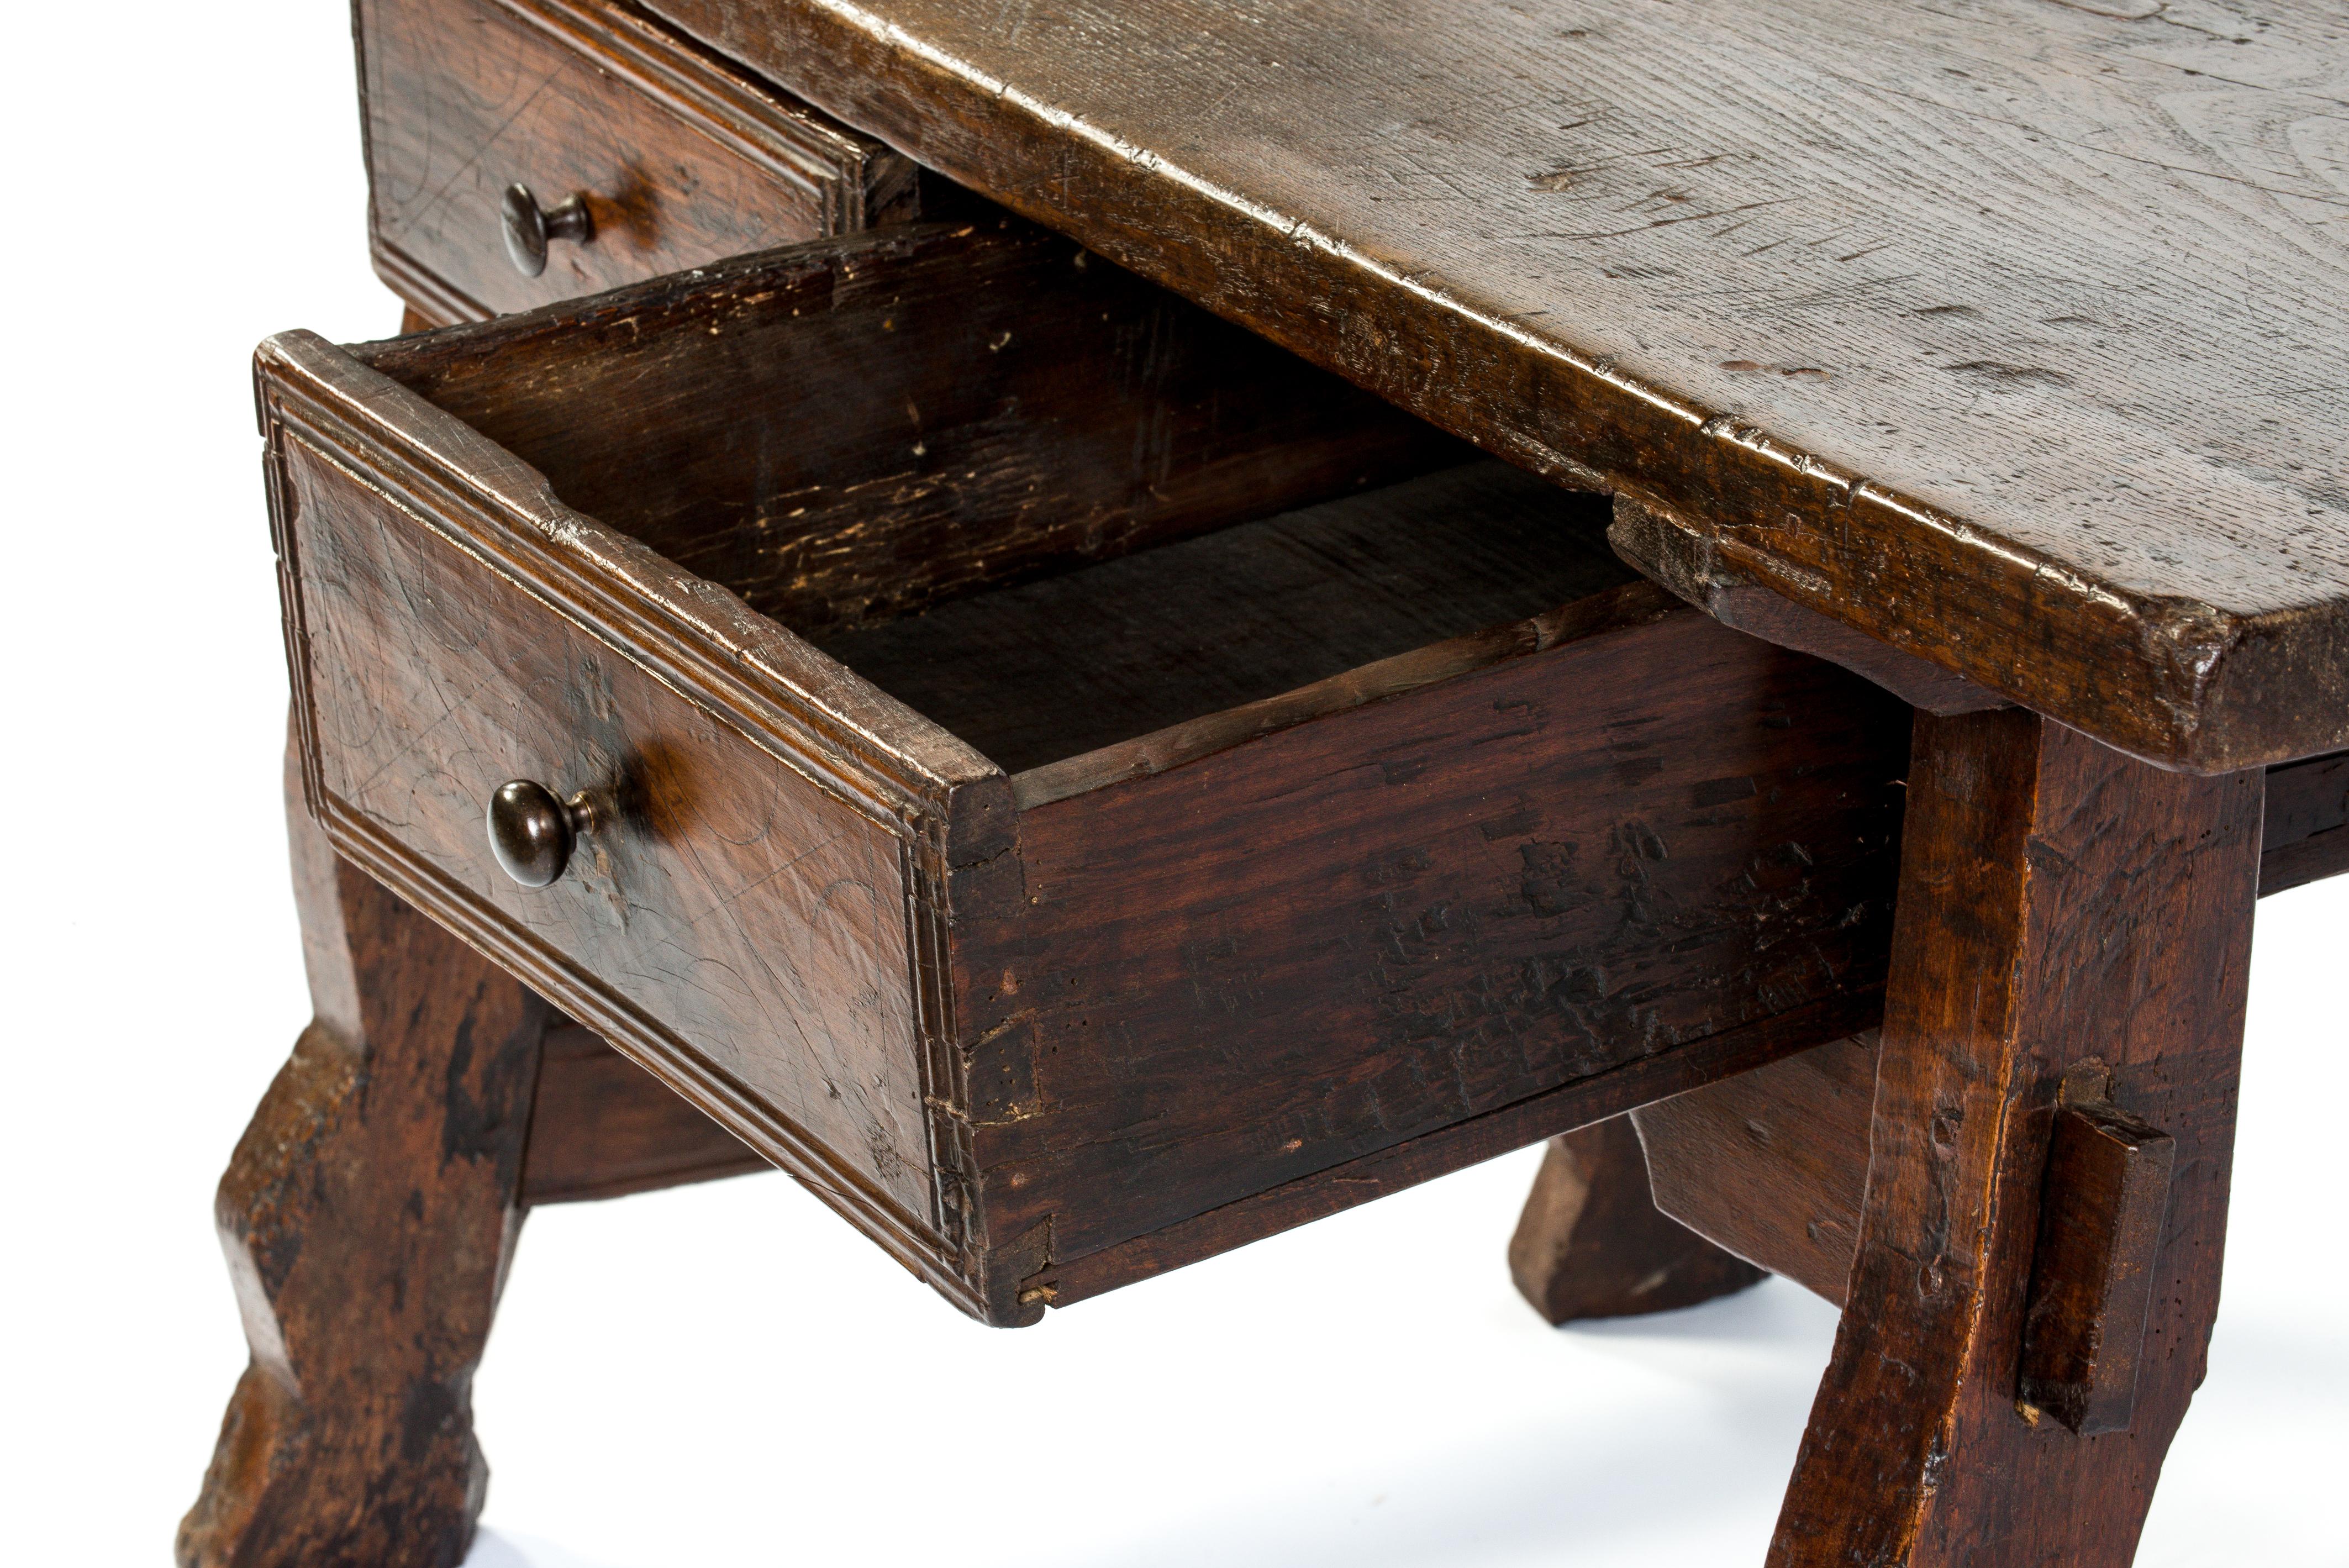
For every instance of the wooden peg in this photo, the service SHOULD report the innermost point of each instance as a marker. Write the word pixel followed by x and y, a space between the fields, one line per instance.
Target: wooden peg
pixel 2106 1196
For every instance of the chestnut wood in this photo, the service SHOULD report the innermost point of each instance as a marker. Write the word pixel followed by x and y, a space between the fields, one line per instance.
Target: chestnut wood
pixel 1591 1242
pixel 2062 908
pixel 368 1215
pixel 745 927
pixel 1949 325
pixel 602 1127
pixel 1451 1147
pixel 1643 537
pixel 2306 836
pixel 1043 1035
pixel 2105 1195
pixel 845 433
pixel 1772 1165
pixel 1084 789
pixel 1642 853
pixel 1049 670
pixel 681 157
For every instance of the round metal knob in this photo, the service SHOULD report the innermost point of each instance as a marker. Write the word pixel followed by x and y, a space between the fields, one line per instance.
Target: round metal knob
pixel 532 833
pixel 528 227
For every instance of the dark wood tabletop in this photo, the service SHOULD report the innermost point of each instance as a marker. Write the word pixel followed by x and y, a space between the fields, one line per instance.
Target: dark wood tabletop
pixel 2009 332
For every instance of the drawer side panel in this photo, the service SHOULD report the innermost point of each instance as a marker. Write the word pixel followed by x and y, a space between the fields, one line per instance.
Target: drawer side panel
pixel 1388 924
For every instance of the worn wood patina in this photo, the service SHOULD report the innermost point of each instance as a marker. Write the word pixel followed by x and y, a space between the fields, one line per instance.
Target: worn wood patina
pixel 993 732
pixel 2006 332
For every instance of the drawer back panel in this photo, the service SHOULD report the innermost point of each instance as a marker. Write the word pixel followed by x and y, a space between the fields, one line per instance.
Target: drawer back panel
pixel 852 431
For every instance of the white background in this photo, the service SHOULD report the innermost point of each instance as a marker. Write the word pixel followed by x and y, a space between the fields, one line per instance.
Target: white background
pixel 725 1374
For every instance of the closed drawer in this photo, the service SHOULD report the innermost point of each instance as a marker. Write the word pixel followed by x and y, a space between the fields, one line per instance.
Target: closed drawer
pixel 680 158
pixel 1076 785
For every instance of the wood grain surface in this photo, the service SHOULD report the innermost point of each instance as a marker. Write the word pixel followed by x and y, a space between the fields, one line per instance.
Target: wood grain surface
pixel 2063 911
pixel 1039 673
pixel 1592 1243
pixel 847 431
pixel 682 157
pixel 602 1127
pixel 1392 923
pixel 759 920
pixel 2306 835
pixel 1046 1036
pixel 746 926
pixel 2104 1199
pixel 2004 331
pixel 1772 1165
pixel 369 1214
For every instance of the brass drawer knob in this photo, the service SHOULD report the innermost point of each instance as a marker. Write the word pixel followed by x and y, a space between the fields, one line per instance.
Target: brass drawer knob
pixel 528 226
pixel 532 831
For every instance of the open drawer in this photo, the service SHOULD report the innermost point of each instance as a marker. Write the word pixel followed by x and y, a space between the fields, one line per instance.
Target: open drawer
pixel 1077 786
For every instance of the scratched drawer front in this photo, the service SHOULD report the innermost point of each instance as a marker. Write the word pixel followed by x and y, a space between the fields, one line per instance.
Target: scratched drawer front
pixel 751 915
pixel 682 159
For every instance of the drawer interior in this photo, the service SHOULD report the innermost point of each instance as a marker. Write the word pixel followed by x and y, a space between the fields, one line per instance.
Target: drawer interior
pixel 1042 503
pixel 1045 671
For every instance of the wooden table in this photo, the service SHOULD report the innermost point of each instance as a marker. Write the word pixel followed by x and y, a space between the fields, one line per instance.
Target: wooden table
pixel 1984 363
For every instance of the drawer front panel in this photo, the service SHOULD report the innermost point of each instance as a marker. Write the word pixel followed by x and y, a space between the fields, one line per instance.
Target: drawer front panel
pixel 681 161
pixel 762 922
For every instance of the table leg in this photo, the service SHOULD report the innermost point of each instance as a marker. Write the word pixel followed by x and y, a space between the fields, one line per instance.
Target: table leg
pixel 2072 925
pixel 368 1215
pixel 1591 1242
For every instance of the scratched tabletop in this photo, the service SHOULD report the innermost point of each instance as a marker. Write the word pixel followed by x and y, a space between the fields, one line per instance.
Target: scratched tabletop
pixel 2010 332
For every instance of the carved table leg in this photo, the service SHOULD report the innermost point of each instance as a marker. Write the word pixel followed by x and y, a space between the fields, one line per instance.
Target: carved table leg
pixel 368 1215
pixel 2070 923
pixel 1591 1242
